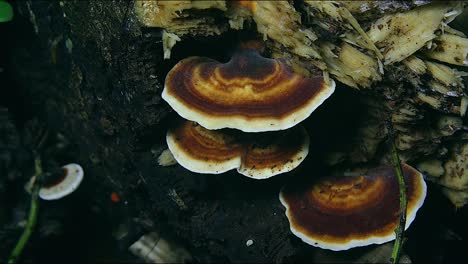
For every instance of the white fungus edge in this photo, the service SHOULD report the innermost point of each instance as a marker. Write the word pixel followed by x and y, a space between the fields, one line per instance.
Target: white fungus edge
pixel 244 124
pixel 198 166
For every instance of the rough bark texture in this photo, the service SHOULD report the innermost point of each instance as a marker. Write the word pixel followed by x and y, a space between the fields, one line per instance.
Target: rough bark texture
pixel 88 71
pixel 103 94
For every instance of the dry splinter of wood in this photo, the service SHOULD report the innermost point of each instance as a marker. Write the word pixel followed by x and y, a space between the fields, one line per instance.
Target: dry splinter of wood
pixel 152 248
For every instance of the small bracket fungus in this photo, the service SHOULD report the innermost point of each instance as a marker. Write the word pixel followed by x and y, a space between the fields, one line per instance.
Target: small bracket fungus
pixel 67 183
pixel 258 156
pixel 250 93
pixel 346 212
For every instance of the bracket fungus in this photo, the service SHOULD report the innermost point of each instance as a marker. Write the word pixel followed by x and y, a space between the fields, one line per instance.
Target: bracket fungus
pixel 250 92
pixel 68 182
pixel 345 212
pixel 258 156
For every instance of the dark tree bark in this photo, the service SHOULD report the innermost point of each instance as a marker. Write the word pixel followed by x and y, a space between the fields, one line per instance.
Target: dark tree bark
pixel 91 73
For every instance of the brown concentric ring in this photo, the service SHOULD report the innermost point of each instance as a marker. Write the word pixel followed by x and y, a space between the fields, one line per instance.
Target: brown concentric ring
pixel 258 156
pixel 346 212
pixel 250 92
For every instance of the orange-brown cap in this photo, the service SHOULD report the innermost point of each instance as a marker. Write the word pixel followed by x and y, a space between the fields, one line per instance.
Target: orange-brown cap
pixel 250 93
pixel 345 212
pixel 257 156
pixel 250 5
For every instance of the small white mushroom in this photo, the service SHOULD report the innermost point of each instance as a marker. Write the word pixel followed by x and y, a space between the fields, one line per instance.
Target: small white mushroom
pixel 66 184
pixel 249 242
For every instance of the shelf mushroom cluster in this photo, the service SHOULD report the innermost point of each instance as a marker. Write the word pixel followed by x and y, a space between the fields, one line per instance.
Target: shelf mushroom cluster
pixel 225 103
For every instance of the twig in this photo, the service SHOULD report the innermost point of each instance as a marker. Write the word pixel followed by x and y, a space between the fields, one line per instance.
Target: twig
pixel 399 231
pixel 32 218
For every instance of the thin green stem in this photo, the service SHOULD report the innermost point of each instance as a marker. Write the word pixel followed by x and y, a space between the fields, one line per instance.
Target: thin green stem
pixel 32 218
pixel 399 231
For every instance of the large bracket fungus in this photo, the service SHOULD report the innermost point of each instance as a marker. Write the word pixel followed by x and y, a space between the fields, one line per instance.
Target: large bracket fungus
pixel 250 93
pixel 345 212
pixel 257 156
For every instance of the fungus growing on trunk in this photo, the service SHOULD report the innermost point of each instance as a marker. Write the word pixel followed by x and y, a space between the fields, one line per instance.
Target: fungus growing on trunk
pixel 258 156
pixel 250 92
pixel 340 213
pixel 67 182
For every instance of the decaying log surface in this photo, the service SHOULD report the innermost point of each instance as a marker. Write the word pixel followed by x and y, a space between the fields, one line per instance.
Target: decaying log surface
pixel 91 73
pixel 95 76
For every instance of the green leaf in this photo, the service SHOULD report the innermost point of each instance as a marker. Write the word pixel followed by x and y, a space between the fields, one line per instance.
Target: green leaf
pixel 6 12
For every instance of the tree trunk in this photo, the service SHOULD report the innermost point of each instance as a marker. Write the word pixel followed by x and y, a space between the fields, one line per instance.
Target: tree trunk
pixel 88 71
